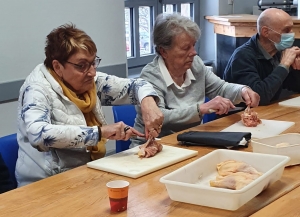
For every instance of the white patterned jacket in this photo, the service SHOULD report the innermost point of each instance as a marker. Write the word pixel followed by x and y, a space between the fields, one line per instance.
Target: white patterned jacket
pixel 52 131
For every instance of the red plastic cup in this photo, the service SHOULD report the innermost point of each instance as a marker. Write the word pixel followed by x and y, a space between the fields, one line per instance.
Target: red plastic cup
pixel 118 195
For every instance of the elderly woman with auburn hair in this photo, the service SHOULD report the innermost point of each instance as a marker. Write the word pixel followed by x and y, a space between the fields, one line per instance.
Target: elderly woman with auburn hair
pixel 60 120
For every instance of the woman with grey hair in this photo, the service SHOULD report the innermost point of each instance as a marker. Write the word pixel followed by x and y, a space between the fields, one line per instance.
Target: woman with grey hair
pixel 182 80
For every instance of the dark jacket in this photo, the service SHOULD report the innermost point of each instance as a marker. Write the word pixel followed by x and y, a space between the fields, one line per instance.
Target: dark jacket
pixel 248 66
pixel 5 182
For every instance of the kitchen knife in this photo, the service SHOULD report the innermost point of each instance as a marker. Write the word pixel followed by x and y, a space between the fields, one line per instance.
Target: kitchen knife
pixel 230 110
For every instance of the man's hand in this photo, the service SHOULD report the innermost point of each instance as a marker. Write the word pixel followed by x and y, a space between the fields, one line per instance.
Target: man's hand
pixel 289 55
pixel 296 63
pixel 152 116
pixel 250 97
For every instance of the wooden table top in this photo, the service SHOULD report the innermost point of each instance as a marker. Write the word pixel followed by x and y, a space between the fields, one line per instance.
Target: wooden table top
pixel 235 19
pixel 242 25
pixel 82 191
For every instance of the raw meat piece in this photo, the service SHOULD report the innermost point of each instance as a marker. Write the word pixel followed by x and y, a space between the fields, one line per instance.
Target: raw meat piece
pixel 234 181
pixel 234 175
pixel 150 148
pixel 250 118
pixel 231 166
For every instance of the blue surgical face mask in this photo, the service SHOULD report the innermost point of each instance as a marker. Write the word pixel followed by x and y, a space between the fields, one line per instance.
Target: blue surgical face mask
pixel 286 41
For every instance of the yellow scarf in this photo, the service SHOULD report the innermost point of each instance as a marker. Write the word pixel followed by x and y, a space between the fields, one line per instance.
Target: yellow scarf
pixel 85 103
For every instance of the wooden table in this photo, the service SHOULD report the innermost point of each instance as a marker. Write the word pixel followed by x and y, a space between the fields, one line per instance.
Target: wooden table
pixel 82 191
pixel 288 205
pixel 242 25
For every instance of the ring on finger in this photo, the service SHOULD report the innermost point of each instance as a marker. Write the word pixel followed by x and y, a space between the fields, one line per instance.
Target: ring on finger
pixel 126 128
pixel 160 126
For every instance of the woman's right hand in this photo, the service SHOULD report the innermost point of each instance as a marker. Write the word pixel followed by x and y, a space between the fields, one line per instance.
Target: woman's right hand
pixel 119 131
pixel 219 104
pixel 152 116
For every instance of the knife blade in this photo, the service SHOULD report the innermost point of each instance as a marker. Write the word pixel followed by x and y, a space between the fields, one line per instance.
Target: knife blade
pixel 238 108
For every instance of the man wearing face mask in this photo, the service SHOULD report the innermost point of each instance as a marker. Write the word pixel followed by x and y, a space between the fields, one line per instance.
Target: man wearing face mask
pixel 267 62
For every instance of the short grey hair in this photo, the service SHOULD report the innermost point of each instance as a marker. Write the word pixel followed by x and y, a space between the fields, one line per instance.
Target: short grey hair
pixel 169 25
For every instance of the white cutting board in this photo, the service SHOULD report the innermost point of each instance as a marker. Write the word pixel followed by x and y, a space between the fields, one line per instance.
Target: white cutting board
pixel 127 163
pixel 295 102
pixel 267 128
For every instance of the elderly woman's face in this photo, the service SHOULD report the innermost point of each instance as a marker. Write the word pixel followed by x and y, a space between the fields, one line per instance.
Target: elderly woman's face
pixel 180 57
pixel 73 76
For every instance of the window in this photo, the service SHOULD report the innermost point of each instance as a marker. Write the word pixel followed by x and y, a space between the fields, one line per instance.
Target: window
pixel 139 20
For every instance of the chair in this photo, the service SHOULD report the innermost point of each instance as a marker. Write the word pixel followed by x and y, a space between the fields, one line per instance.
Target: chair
pixel 9 150
pixel 208 117
pixel 125 113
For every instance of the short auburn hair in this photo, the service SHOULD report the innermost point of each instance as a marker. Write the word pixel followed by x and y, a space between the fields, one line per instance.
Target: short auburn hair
pixel 64 41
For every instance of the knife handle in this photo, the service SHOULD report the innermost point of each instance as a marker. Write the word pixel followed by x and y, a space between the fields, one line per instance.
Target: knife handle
pixel 211 111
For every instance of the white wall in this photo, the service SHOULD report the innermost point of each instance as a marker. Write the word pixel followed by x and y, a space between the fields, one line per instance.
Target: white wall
pixel 8 118
pixel 25 24
pixel 244 6
pixel 208 38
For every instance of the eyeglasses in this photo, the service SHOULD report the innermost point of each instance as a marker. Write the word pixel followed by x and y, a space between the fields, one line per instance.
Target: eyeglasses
pixel 273 30
pixel 85 66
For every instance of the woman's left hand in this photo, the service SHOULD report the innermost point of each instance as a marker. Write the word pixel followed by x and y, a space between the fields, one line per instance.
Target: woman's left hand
pixel 250 97
pixel 152 116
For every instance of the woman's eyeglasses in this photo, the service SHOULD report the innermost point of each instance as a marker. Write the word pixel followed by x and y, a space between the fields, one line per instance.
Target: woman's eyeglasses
pixel 85 66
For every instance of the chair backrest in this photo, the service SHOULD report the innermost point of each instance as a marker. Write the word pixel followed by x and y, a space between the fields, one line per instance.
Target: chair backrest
pixel 127 114
pixel 9 150
pixel 208 117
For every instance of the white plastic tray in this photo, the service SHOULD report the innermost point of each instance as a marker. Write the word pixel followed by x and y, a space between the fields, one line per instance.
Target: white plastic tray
pixel 190 183
pixel 268 146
